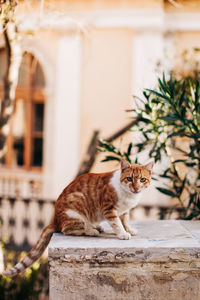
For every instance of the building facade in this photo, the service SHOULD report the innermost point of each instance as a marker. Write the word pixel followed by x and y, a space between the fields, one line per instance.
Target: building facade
pixel 83 62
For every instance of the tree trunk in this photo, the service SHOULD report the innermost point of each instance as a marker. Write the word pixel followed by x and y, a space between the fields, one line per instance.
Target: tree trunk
pixel 14 55
pixel 90 156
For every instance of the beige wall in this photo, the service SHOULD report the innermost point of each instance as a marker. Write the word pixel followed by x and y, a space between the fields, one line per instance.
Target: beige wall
pixel 186 40
pixel 62 6
pixel 107 56
pixel 43 40
pixel 180 6
pixel 79 5
pixel 183 6
pixel 106 82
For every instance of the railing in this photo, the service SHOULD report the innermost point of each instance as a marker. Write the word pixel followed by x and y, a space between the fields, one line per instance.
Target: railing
pixel 23 219
pixel 20 183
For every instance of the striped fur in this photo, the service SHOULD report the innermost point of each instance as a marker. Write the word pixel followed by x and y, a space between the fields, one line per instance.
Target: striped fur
pixel 90 199
pixel 34 254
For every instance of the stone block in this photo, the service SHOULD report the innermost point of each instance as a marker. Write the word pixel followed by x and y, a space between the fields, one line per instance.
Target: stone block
pixel 162 262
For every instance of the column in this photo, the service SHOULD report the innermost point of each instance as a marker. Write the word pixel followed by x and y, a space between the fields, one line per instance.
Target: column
pixel 64 148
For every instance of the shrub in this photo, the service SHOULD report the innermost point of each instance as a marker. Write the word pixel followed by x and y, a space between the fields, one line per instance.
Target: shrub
pixel 169 122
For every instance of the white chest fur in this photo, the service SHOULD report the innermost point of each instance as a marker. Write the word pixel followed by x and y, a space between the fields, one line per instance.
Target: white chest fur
pixel 126 199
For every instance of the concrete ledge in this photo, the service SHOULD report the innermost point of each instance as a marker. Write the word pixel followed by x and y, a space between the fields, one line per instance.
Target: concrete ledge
pixel 161 262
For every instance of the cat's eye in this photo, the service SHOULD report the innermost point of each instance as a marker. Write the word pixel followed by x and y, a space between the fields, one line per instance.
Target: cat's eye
pixel 143 179
pixel 129 179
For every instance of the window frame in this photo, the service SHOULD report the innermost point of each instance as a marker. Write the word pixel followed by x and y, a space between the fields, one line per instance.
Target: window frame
pixel 30 94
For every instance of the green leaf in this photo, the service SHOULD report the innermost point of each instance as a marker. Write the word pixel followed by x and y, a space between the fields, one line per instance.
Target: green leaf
pixel 129 149
pixel 101 149
pixel 158 94
pixel 166 192
pixel 197 102
pixel 109 158
pixel 178 160
pixel 171 87
pixel 108 147
pixel 182 97
pixel 181 132
pixel 162 86
pixel 155 101
pixel 169 118
pixel 127 158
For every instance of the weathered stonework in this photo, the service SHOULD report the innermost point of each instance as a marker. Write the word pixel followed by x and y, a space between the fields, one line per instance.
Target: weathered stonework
pixel 161 262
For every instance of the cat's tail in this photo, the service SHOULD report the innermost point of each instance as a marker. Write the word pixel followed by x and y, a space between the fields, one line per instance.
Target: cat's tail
pixel 34 253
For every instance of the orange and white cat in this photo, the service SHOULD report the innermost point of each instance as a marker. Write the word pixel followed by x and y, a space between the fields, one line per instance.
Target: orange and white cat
pixel 90 199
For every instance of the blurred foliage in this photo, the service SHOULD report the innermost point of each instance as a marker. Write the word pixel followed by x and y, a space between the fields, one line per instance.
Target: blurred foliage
pixel 7 11
pixel 31 284
pixel 188 64
pixel 108 147
pixel 169 123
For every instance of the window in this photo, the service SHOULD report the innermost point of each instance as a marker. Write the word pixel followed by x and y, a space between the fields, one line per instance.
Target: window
pixel 25 141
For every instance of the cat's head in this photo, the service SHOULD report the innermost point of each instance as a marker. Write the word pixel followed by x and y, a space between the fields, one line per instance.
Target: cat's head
pixel 135 178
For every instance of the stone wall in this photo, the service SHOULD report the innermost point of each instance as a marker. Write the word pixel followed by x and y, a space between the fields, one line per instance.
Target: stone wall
pixel 161 262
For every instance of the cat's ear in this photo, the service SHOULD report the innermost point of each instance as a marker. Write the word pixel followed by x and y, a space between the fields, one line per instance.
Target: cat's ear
pixel 124 165
pixel 149 166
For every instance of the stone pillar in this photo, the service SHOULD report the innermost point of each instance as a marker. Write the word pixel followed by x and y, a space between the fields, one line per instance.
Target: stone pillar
pixel 161 262
pixel 64 146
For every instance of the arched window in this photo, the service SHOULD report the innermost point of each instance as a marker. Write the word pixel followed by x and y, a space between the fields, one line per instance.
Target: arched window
pixel 25 141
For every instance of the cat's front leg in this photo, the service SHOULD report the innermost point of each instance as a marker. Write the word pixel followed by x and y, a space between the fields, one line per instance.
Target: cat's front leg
pixel 117 226
pixel 125 221
pixel 99 228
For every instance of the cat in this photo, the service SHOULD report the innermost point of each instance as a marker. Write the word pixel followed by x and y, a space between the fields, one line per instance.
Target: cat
pixel 90 199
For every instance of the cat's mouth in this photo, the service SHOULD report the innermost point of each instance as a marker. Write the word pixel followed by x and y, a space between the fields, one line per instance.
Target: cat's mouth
pixel 136 192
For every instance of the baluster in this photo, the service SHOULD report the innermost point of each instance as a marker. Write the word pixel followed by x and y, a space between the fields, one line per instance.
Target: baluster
pixel 6 214
pixel 139 213
pixel 5 186
pixel 18 213
pixel 32 215
pixel 17 187
pixel 25 188
pixel 12 187
pixel 153 213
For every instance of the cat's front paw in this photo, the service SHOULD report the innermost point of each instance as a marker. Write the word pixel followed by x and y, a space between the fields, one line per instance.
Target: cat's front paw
pixel 124 236
pixel 92 232
pixel 133 231
pixel 100 229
